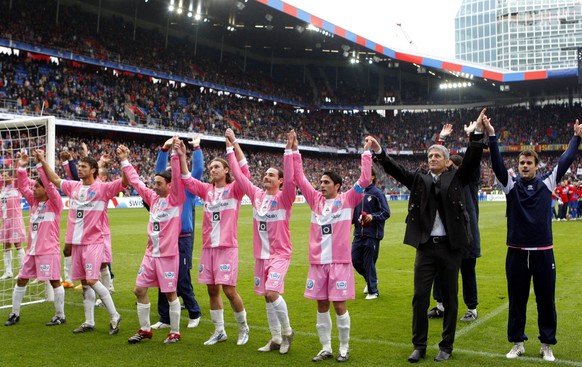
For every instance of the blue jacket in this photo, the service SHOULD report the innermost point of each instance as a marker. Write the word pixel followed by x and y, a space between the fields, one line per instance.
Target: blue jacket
pixel 190 203
pixel 375 203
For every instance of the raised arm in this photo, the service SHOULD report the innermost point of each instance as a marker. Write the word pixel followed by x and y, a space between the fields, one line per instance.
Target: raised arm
pixel 51 191
pixel 50 174
pixel 22 183
pixel 177 196
pixel 497 163
pixel 197 157
pixel 240 156
pixel 569 155
pixel 162 160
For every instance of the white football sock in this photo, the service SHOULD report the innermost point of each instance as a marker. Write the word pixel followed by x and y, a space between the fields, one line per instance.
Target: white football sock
pixel 106 298
pixel 8 261
pixel 274 324
pixel 21 254
pixel 343 328
pixel 175 316
pixel 324 330
pixel 283 315
pixel 143 315
pixel 67 269
pixel 241 318
pixel 17 297
pixel 59 301
pixel 89 304
pixel 217 317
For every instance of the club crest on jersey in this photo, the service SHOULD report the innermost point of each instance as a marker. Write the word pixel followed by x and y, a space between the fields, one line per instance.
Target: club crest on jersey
pixel 257 281
pixel 275 276
pixel 310 284
pixel 45 268
pixel 326 229
pixel 200 268
pixel 530 187
pixel 338 204
pixel 224 267
pixel 273 204
pixel 342 284
pixel 216 217
pixel 169 274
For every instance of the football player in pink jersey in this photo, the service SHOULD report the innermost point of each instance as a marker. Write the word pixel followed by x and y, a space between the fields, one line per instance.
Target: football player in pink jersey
pixel 42 260
pixel 219 260
pixel 160 264
pixel 12 230
pixel 271 238
pixel 88 200
pixel 331 276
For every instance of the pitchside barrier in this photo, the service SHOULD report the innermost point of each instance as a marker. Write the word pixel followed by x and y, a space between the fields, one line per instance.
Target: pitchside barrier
pixel 136 201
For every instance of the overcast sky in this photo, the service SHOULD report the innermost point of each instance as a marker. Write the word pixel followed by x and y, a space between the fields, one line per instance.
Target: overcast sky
pixel 428 24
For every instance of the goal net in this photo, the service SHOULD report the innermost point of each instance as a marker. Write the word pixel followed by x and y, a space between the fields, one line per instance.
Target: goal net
pixel 20 136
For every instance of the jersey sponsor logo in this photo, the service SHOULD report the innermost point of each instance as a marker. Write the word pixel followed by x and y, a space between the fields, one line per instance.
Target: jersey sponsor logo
pixel 263 226
pixel 342 284
pixel 35 227
pixel 200 268
pixel 275 276
pixel 257 281
pixel 80 214
pixel 156 226
pixel 326 229
pixel 224 267
pixel 45 268
pixel 310 284
pixel 216 217
pixel 169 274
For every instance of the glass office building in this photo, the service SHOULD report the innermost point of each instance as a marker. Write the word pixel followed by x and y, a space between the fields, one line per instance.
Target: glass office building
pixel 519 35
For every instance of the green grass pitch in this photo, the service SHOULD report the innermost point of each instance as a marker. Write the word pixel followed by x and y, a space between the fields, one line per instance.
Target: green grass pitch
pixel 380 329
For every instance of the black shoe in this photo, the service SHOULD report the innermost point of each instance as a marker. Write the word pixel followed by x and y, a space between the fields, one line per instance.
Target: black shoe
pixel 442 356
pixel 12 319
pixel 435 313
pixel 416 355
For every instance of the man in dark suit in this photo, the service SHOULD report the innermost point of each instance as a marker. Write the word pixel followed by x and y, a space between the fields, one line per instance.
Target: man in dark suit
pixel 437 225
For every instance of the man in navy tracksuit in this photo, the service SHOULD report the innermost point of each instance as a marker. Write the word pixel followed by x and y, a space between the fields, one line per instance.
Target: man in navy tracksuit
pixel 529 240
pixel 369 217
pixel 185 243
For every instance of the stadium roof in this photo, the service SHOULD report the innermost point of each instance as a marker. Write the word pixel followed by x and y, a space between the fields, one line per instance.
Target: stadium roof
pixel 274 31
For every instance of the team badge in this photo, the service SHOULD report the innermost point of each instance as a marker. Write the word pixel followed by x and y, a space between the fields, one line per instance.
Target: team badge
pixel 200 268
pixel 275 276
pixel 45 268
pixel 310 284
pixel 257 281
pixel 342 284
pixel 224 267
pixel 169 274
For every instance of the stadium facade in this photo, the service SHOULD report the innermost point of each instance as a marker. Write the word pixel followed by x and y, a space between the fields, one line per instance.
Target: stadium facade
pixel 519 35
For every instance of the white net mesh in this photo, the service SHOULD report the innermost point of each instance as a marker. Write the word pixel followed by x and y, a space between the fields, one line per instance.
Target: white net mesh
pixel 18 137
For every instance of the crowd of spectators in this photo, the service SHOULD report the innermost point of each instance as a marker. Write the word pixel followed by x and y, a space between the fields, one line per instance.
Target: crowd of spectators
pixel 144 150
pixel 98 95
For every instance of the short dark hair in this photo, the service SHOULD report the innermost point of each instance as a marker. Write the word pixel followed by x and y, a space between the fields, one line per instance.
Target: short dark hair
pixel 456 159
pixel 39 181
pixel 530 153
pixel 166 175
pixel 92 162
pixel 335 178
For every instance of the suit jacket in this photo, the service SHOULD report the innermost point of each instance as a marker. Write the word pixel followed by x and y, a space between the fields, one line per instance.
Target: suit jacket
pixel 452 198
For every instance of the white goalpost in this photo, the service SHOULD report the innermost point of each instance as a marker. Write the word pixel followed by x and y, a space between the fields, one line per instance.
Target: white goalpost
pixel 18 136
